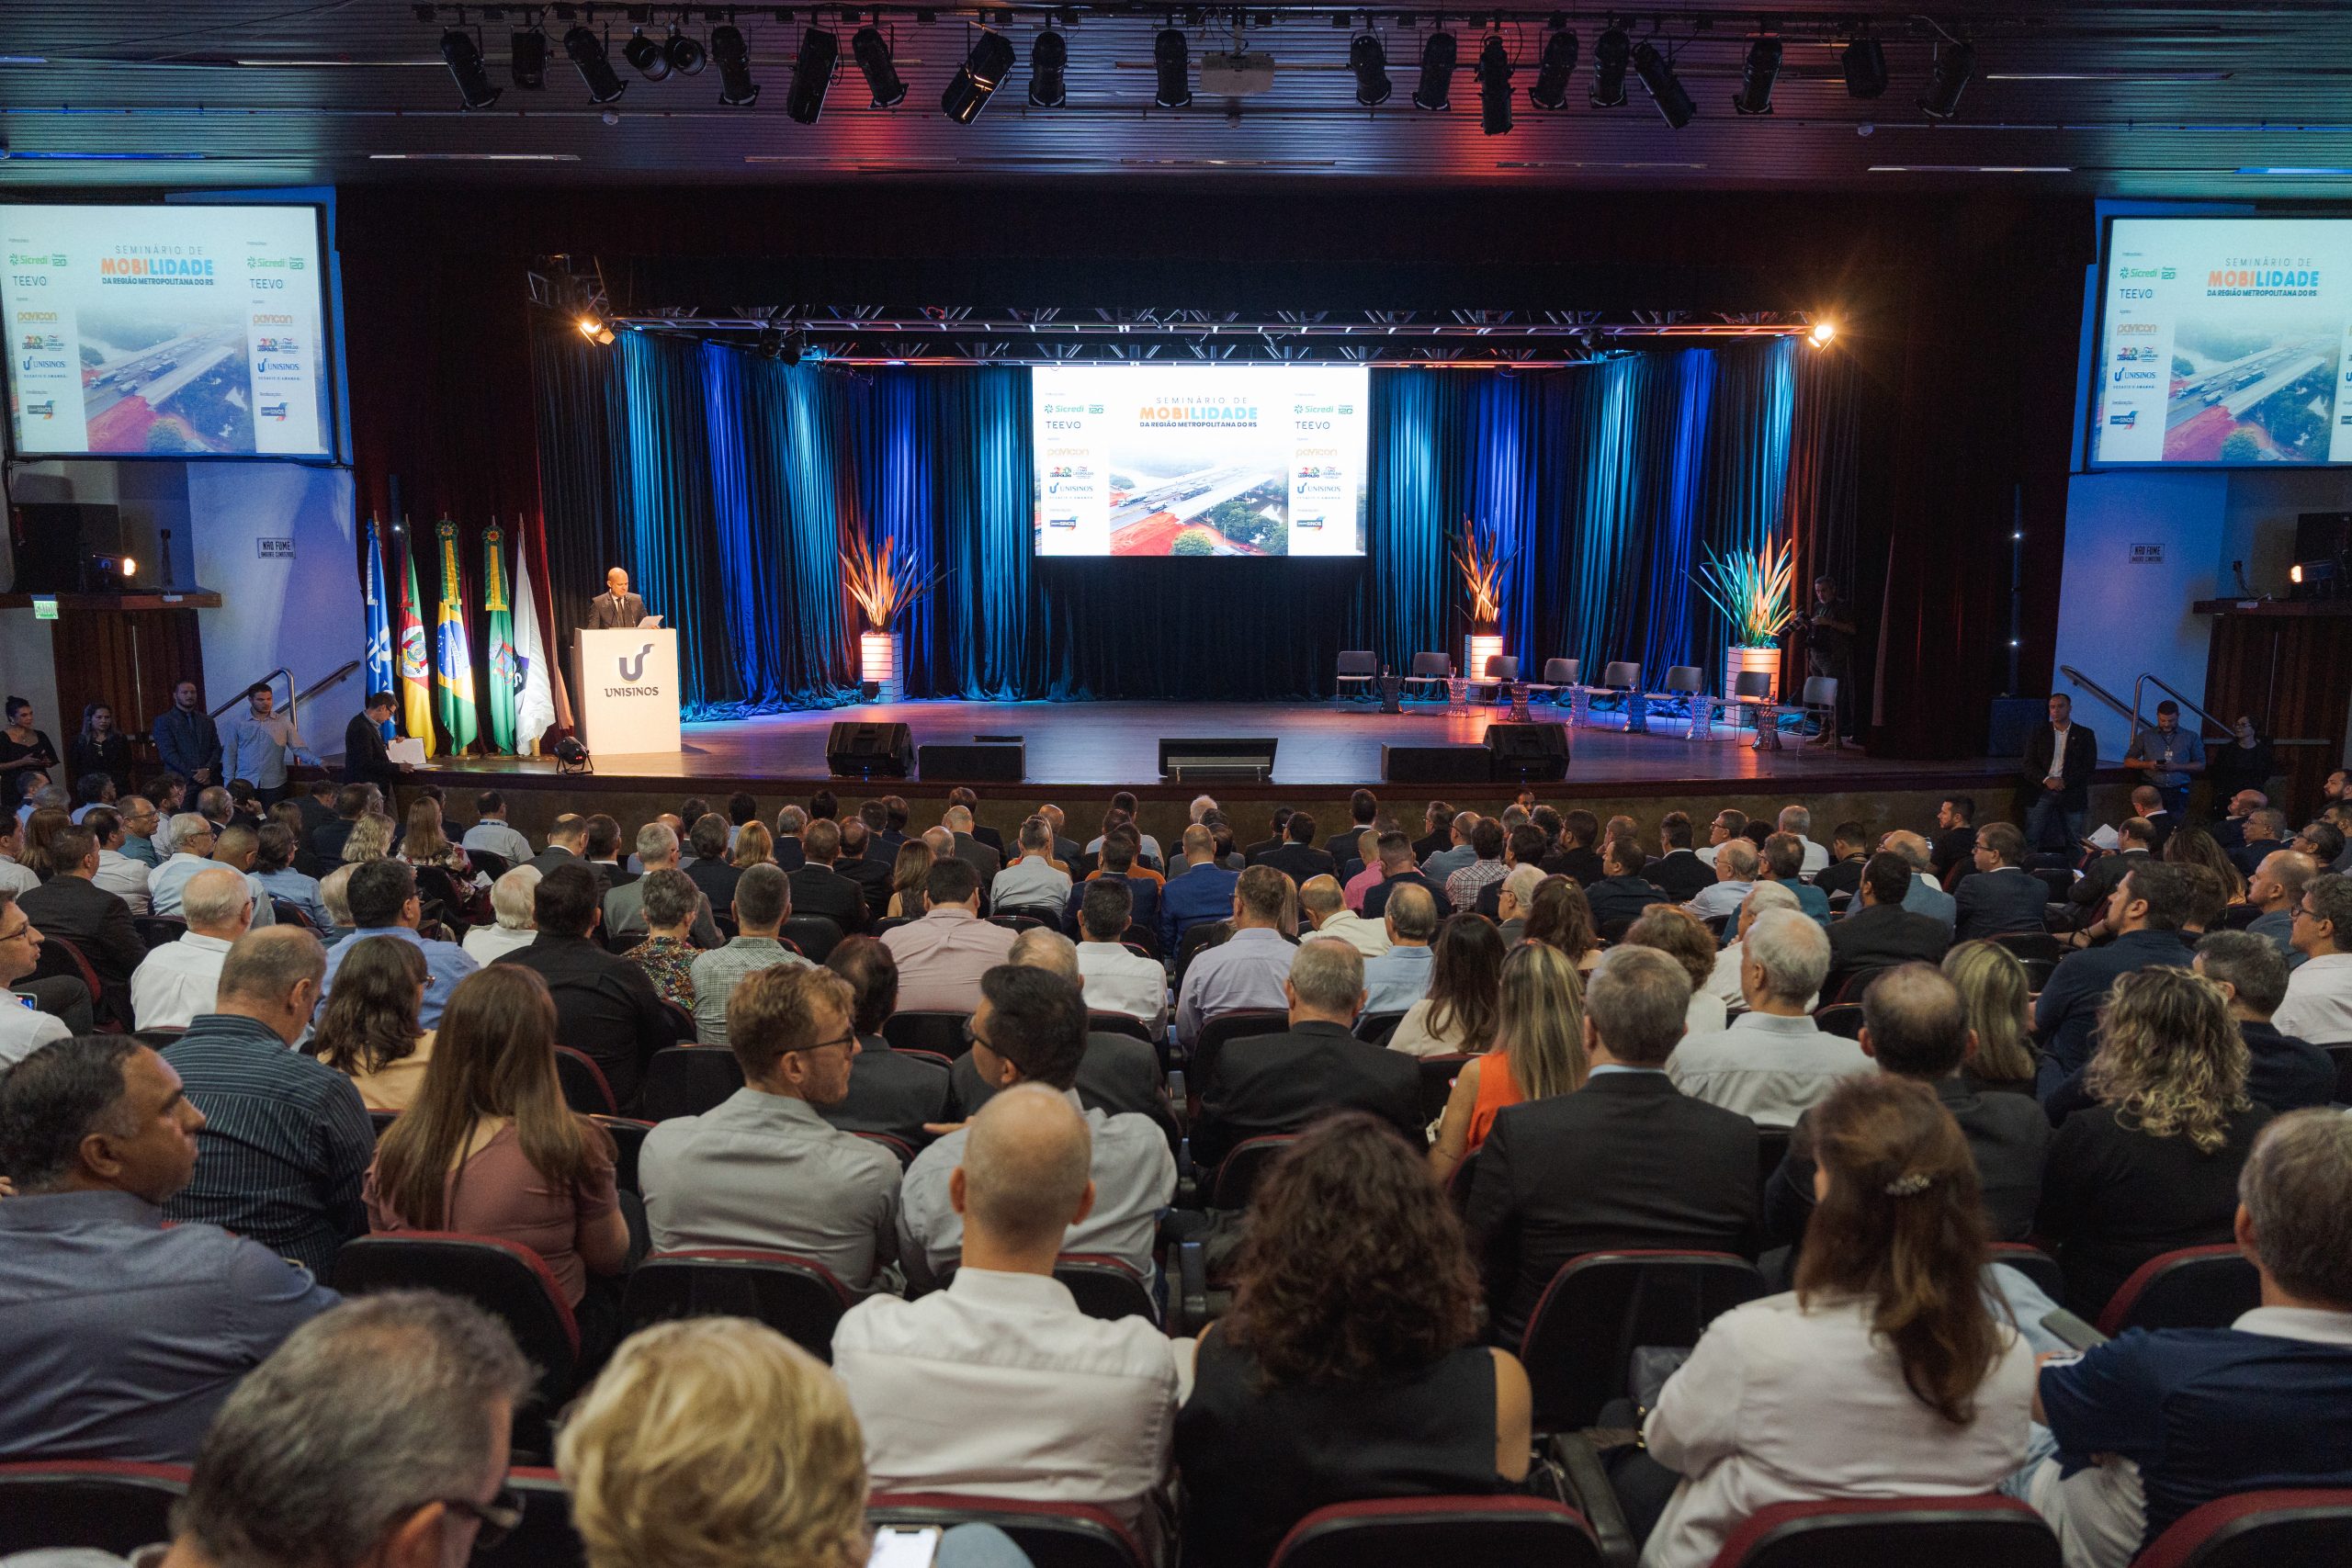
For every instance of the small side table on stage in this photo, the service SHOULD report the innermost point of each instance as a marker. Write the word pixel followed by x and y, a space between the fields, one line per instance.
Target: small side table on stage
pixel 1392 693
pixel 1518 692
pixel 1457 694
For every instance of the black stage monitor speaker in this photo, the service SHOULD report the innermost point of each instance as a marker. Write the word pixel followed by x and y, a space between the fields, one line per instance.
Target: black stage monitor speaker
pixel 974 764
pixel 1217 757
pixel 1436 764
pixel 869 751
pixel 1528 752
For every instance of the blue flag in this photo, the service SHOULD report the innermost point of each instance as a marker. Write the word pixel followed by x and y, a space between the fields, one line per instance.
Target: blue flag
pixel 380 622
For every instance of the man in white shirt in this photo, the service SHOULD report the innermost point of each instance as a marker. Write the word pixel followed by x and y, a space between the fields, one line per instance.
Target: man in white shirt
pixel 24 1028
pixel 1798 820
pixel 1115 979
pixel 1400 977
pixel 1031 1028
pixel 1032 882
pixel 118 873
pixel 14 878
pixel 1724 983
pixel 1735 864
pixel 2319 993
pixel 490 831
pixel 1324 902
pixel 1245 971
pixel 1773 1062
pixel 182 978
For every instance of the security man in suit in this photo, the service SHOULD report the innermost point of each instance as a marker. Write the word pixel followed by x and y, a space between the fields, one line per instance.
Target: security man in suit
pixel 616 606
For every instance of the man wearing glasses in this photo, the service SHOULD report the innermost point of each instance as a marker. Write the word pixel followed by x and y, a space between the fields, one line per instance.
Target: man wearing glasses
pixel 2319 993
pixel 23 1028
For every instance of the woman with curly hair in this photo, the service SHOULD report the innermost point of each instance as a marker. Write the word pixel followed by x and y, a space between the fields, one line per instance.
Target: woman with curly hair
pixel 2195 846
pixel 2153 1164
pixel 1349 1366
pixel 1538 1051
pixel 1465 984
pixel 1559 917
pixel 1998 997
pixel 909 875
pixel 1684 937
pixel 372 839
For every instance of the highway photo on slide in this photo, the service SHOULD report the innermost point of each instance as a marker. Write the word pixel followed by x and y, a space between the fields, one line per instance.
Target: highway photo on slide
pixel 2269 402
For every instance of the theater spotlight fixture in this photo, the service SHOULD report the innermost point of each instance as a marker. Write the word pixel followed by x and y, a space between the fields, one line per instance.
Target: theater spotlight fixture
pixel 1048 58
pixel 1611 53
pixel 1955 64
pixel 645 56
pixel 1435 90
pixel 1493 86
pixel 1172 62
pixel 685 53
pixel 1823 331
pixel 1369 61
pixel 977 80
pixel 1864 63
pixel 1665 88
pixel 873 54
pixel 466 66
pixel 526 58
pixel 1755 95
pixel 736 88
pixel 812 72
pixel 587 54
pixel 1554 75
pixel 593 327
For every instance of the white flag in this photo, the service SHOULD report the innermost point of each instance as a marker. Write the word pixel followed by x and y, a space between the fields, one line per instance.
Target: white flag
pixel 534 697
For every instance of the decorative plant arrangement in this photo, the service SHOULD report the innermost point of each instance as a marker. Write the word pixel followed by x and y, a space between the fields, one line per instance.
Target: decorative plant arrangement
pixel 1752 591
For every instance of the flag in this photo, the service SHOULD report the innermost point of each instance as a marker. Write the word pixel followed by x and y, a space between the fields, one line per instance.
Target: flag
pixel 452 672
pixel 379 618
pixel 415 662
pixel 534 696
pixel 494 604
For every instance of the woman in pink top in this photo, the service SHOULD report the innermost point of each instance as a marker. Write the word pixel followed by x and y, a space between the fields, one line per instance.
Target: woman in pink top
pixel 489 1148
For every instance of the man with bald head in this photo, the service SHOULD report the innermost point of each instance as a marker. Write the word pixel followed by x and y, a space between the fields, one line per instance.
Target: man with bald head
pixel 1926 894
pixel 1324 903
pixel 1200 895
pixel 998 1386
pixel 179 980
pixel 1400 977
pixel 2277 889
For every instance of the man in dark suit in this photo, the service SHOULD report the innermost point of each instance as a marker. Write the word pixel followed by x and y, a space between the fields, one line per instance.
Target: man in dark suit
pixel 1624 893
pixel 2060 756
pixel 1577 856
pixel 1278 1083
pixel 1363 807
pixel 985 861
pixel 1526 846
pixel 2282 1072
pixel 566 837
pixel 1299 858
pixel 1916 1026
pixel 1398 868
pixel 889 1092
pixel 818 889
pixel 1264 847
pixel 970 800
pixel 1438 820
pixel 2264 833
pixel 1954 844
pixel 2144 912
pixel 1882 933
pixel 1118 860
pixel 615 607
pixel 605 1004
pixel 1678 872
pixel 365 759
pixel 1850 848
pixel 72 905
pixel 1626 1161
pixel 2002 896
pixel 2135 838
pixel 710 869
pixel 871 872
pixel 328 839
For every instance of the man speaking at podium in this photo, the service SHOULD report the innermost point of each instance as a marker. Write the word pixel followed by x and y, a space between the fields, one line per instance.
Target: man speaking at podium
pixel 616 606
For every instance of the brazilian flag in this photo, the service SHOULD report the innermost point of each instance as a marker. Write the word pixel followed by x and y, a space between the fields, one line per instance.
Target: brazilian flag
pixel 453 663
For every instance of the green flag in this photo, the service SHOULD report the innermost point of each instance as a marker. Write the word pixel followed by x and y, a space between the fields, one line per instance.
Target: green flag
pixel 452 672
pixel 495 603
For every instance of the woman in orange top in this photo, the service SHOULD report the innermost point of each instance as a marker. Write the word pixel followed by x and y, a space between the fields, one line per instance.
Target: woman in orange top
pixel 1538 1052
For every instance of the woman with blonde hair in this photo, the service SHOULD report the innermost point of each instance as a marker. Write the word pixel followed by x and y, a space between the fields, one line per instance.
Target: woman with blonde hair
pixel 1559 917
pixel 908 875
pixel 755 845
pixel 1538 1053
pixel 2153 1166
pixel 372 839
pixel 1997 995
pixel 426 843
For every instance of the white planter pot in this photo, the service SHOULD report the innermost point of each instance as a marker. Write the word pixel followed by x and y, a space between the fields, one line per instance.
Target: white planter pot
pixel 882 663
pixel 1739 662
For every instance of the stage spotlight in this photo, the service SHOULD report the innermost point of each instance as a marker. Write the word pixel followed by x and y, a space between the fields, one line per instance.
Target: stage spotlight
pixel 1864 62
pixel 594 328
pixel 736 88
pixel 1171 62
pixel 465 61
pixel 1369 61
pixel 645 56
pixel 1436 88
pixel 587 54
pixel 1048 58
pixel 1552 77
pixel 570 756
pixel 1955 64
pixel 1823 331
pixel 1493 86
pixel 1755 95
pixel 812 72
pixel 685 53
pixel 1665 87
pixel 526 58
pixel 977 80
pixel 873 53
pixel 1611 53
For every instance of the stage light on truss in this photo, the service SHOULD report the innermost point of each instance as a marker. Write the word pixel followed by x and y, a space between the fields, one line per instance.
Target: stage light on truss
pixel 736 88
pixel 1368 59
pixel 872 52
pixel 594 328
pixel 526 58
pixel 1556 70
pixel 685 53
pixel 1823 331
pixel 1435 90
pixel 645 56
pixel 467 68
pixel 977 80
pixel 1611 52
pixel 1048 59
pixel 1755 77
pixel 1864 59
pixel 812 72
pixel 1955 64
pixel 586 52
pixel 1665 87
pixel 1171 63
pixel 1493 86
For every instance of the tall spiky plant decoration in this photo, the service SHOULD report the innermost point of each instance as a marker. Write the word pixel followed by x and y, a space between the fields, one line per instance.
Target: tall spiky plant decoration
pixel 1478 555
pixel 884 589
pixel 1752 591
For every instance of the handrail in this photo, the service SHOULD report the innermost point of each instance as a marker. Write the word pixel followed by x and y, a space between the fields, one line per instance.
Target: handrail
pixel 293 698
pixel 2166 687
pixel 249 685
pixel 2095 689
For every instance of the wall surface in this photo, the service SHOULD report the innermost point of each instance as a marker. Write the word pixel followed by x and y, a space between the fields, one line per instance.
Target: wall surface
pixel 2141 547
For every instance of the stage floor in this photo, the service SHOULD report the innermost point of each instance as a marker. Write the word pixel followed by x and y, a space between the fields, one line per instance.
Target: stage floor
pixel 1114 745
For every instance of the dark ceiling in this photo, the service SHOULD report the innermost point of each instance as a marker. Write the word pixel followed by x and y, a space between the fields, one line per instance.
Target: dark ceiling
pixel 2127 99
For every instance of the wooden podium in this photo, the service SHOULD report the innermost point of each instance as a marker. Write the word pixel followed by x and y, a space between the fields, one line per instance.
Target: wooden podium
pixel 626 681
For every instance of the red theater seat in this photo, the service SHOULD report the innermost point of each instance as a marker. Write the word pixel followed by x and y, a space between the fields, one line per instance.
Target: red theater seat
pixel 799 1299
pixel 2258 1530
pixel 1503 1531
pixel 586 1088
pixel 1104 1287
pixel 1598 1308
pixel 1893 1532
pixel 2195 1287
pixel 101 1505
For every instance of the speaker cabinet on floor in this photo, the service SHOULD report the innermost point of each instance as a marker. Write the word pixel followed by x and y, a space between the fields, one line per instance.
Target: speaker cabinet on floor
pixel 869 751
pixel 1528 753
pixel 973 764
pixel 1435 765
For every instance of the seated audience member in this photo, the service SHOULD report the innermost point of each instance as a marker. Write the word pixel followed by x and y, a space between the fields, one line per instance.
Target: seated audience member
pixel 72 906
pixel 1198 896
pixel 1367 872
pixel 763 903
pixel 1457 1016
pixel 334 893
pixel 1724 983
pixel 2148 1427
pixel 1883 1375
pixel 2265 832
pixel 1677 871
pixel 1033 883
pixel 1784 861
pixel 818 886
pixel 670 905
pixel 1736 867
pixel 1773 1061
pixel 1915 1025
pixel 1456 851
pixel 1624 893
pixel 2154 1165
pixel 2136 846
pixel 120 1333
pixel 784 847
pixel 273 867
pixel 969 1389
pixel 864 862
pixel 238 848
pixel 605 1005
pixel 2275 888
pixel 383 899
pixel 490 1148
pixel 1879 932
pixel 1031 1028
pixel 1797 822
pixel 178 980
pixel 1364 809
pixel 1850 847
pixel 1485 868
pixel 1280 1082
pixel 657 850
pixel 1297 858
pixel 372 838
pixel 511 899
pixel 328 839
pixel 1247 971
pixel 1998 993
pixel 491 830
pixel 942 956
pixel 1925 897
pixel 1400 977
pixel 141 825
pixel 1116 979
pixel 369 1033
pixel 427 842
pixel 1626 1161
pixel 1515 900
pixel 601 847
pixel 2144 912
pixel 889 1092
pixel 24 1029
pixel 1678 933
pixel 1397 870
pixel 2318 1006
pixel 716 1179
pixel 1324 904
pixel 2324 842
pixel 1349 1368
pixel 985 858
pixel 119 873
pixel 910 875
pixel 193 839
pixel 2282 1072
pixel 1576 858
pixel 1523 846
pixel 1118 1072
pixel 1954 845
pixel 1118 865
pixel 1538 1053
pixel 2001 895
pixel 15 876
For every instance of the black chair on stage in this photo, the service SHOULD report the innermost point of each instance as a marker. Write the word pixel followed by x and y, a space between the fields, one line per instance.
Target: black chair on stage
pixel 1429 670
pixel 1560 675
pixel 1360 668
pixel 1500 673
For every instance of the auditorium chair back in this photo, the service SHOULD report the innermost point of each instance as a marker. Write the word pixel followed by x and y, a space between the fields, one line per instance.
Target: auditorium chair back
pixel 1504 1531
pixel 1125 1024
pixel 2195 1287
pixel 815 935
pixel 1052 1535
pixel 1438 1074
pixel 1375 1028
pixel 1222 1029
pixel 686 1080
pixel 1877 1532
pixel 100 1504
pixel 1600 1308
pixel 1238 1174
pixel 545 1539
pixel 2258 1530
pixel 583 1084
pixel 939 1032
pixel 628 1142
pixel 1105 1287
pixel 796 1297
pixel 2035 1265
pixel 61 958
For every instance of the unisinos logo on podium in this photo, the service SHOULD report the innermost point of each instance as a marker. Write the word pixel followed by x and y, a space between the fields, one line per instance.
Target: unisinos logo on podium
pixel 633 670
pixel 627 678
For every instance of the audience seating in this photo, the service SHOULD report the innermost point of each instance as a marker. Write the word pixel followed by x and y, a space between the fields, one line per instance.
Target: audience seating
pixel 1375 1028
pixel 628 1142
pixel 100 1505
pixel 799 1299
pixel 2258 1530
pixel 940 1031
pixel 584 1088
pixel 2342 1057
pixel 1125 1024
pixel 1237 1173
pixel 898 1147
pixel 815 936
pixel 545 1539
pixel 290 914
pixel 1506 1531
pixel 1438 1074
pixel 1841 1019
pixel 621 942
pixel 1208 933
pixel 686 1080
pixel 2032 945
pixel 1600 1307
pixel 1458 1179
pixel 1105 1287
pixel 1358 667
pixel 1429 669
pixel 2195 1287
pixel 1224 1028
pixel 1771 1148
pixel 1053 1535
pixel 491 865
pixel 380 1120
pixel 159 930
pixel 1873 1532
pixel 1848 985
pixel 161 1038
pixel 1141 939
pixel 60 956
pixel 2035 1265
pixel 2037 973
pixel 890 924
